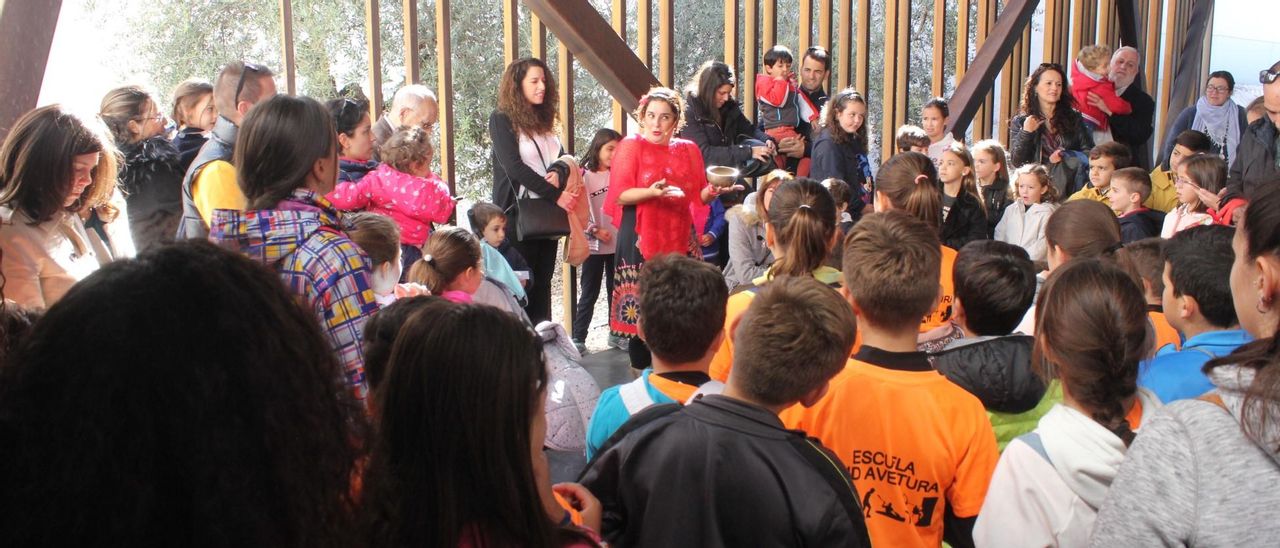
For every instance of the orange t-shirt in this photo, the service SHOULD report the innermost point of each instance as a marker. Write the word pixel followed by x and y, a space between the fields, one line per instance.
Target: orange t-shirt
pixel 675 390
pixel 1165 333
pixel 737 306
pixel 913 443
pixel 947 299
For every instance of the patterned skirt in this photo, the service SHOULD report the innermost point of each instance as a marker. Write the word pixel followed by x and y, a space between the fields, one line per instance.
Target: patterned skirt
pixel 624 311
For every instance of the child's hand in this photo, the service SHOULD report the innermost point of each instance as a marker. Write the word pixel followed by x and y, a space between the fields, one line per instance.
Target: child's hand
pixel 587 505
pixel 604 235
pixel 706 240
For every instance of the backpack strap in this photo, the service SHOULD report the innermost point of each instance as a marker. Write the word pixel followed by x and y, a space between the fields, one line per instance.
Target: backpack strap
pixel 635 395
pixel 1033 440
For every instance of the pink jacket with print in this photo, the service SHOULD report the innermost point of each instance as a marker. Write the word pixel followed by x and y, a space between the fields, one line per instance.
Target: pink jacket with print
pixel 412 202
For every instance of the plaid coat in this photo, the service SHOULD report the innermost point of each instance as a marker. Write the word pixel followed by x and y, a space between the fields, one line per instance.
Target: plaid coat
pixel 302 239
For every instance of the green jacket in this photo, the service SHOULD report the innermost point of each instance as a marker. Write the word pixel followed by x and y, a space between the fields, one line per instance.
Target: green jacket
pixel 1012 425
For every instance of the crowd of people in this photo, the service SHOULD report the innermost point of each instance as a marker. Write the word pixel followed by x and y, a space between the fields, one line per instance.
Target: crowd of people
pixel 257 326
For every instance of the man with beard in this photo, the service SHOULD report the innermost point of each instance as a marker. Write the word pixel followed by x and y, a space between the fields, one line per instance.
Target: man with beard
pixel 1133 129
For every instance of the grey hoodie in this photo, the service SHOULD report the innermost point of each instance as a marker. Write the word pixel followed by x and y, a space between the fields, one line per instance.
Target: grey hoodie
pixel 1193 478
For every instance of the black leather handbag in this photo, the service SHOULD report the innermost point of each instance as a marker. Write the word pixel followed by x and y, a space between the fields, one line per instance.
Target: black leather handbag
pixel 540 219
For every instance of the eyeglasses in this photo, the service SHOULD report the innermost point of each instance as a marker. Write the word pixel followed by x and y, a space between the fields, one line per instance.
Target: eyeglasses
pixel 1267 76
pixel 248 67
pixel 1185 181
pixel 158 117
pixel 1216 89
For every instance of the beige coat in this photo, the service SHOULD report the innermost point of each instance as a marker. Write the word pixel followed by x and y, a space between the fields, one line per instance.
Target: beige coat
pixel 41 262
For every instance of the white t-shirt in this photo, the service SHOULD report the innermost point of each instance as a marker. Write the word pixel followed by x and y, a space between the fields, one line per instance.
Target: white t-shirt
pixel 936 149
pixel 538 152
pixel 597 183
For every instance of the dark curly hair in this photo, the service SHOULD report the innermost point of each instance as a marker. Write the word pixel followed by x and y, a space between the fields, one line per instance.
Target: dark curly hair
pixel 525 118
pixel 1065 118
pixel 199 405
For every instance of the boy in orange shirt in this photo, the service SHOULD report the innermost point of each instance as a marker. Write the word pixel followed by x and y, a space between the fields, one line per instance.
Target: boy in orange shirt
pixel 918 447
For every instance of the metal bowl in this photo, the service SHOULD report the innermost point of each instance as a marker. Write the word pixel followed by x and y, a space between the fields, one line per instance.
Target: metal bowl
pixel 722 176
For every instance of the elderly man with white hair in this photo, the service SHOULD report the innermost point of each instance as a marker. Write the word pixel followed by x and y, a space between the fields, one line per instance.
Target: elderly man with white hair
pixel 1133 129
pixel 413 105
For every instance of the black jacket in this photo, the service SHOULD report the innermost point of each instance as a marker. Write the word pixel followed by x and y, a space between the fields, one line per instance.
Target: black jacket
pixel 1144 223
pixel 847 162
pixel 996 370
pixel 1255 165
pixel 510 172
pixel 996 197
pixel 720 143
pixel 965 223
pixel 721 472
pixel 1134 129
pixel 188 142
pixel 152 185
pixel 1070 174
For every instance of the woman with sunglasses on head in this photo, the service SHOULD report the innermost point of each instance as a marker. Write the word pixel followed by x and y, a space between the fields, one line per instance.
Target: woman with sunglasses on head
pixel 150 176
pixel 1049 130
pixel 1256 166
pixel 1215 115
pixel 355 138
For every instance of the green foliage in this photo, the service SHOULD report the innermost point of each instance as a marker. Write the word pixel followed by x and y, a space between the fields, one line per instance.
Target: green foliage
pixel 193 38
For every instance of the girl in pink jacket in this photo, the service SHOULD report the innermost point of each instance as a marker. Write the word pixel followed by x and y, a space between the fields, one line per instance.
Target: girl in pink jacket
pixel 403 188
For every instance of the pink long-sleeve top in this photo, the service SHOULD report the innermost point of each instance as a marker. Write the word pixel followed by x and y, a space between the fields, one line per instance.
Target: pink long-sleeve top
pixel 412 202
pixel 664 225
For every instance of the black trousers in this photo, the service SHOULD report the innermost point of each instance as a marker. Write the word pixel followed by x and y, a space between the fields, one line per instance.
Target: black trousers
pixel 591 271
pixel 541 256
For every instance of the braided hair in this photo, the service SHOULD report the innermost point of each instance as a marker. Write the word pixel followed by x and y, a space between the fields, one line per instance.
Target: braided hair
pixel 1091 321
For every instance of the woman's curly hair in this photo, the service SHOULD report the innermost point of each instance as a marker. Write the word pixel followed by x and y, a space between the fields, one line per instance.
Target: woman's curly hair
pixel 525 118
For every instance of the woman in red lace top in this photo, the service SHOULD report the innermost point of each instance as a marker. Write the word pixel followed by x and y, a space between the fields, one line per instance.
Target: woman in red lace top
pixel 658 193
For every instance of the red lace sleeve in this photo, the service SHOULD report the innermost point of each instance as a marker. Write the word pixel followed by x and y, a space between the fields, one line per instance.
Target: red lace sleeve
pixel 623 175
